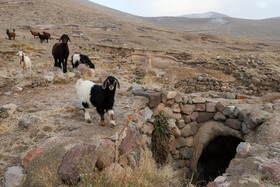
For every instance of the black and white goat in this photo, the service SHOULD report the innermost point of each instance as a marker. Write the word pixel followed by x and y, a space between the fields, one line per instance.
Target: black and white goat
pixel 60 52
pixel 99 96
pixel 81 59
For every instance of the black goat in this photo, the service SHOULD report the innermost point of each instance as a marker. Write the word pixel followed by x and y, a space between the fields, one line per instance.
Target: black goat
pixel 60 52
pixel 81 59
pixel 43 37
pixel 100 96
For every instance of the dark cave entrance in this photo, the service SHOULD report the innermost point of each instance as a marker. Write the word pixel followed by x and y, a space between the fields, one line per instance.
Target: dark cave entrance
pixel 216 157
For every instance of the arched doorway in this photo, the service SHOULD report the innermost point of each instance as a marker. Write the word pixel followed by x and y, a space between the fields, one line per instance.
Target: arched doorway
pixel 216 157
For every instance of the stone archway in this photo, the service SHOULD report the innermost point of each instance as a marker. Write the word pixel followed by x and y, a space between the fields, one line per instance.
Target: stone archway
pixel 207 133
pixel 216 157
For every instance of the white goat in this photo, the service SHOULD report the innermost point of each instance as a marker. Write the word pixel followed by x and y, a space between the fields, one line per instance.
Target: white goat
pixel 24 60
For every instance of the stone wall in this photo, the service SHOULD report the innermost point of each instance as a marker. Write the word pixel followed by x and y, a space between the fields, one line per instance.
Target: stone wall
pixel 194 121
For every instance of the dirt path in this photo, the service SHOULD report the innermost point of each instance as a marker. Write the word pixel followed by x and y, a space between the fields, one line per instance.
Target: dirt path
pixel 54 112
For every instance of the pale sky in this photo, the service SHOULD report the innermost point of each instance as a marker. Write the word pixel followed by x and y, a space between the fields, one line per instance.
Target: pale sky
pixel 248 9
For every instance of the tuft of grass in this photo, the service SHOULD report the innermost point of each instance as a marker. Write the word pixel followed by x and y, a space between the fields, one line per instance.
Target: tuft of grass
pixel 146 174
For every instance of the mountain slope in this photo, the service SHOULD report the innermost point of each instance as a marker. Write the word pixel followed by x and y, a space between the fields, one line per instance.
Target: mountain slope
pixel 205 15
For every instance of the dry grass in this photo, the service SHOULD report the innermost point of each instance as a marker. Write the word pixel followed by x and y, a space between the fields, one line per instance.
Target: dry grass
pixel 146 174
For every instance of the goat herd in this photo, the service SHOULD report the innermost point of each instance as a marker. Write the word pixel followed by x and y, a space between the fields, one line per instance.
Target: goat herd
pixel 89 93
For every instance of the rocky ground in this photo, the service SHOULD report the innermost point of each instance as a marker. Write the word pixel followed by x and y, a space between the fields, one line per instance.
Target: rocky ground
pixel 39 106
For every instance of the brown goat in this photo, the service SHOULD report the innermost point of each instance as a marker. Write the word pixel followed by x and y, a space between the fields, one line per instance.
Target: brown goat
pixel 34 33
pixel 47 34
pixel 11 34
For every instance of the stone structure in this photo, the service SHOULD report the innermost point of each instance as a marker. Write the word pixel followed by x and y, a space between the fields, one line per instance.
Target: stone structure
pixel 195 121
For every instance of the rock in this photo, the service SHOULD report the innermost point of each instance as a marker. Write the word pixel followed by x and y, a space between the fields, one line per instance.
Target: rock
pixel 172 123
pixel 187 119
pixel 180 142
pixel 106 151
pixel 189 141
pixel 219 117
pixel 18 89
pixel 242 149
pixel 70 75
pixel 245 128
pixel 13 177
pixel 81 156
pixel 253 120
pixel 229 111
pixel 7 93
pixel 31 155
pixel 176 132
pixel 204 116
pixel 176 108
pixel 127 142
pixel 154 97
pixel 185 99
pixel 170 102
pixel 25 123
pixel 85 72
pixel 177 116
pixel 200 107
pixel 185 153
pixel 115 170
pixel 220 107
pixel 172 145
pixel 233 123
pixel 197 100
pixel 241 115
pixel 49 78
pixel 158 108
pixel 266 133
pixel 268 107
pixel 211 107
pixel 148 113
pixel 181 124
pixel 274 170
pixel 187 131
pixel 194 116
pixel 171 95
pixel 143 139
pixel 168 112
pixel 137 87
pixel 187 109
pixel 150 128
pixel 61 78
pixel 220 179
pixel 231 96
pixel 194 127
pixel 11 108
pixel 178 99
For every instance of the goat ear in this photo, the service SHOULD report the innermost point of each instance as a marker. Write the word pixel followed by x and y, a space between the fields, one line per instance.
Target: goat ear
pixel 60 39
pixel 69 39
pixel 105 84
pixel 118 83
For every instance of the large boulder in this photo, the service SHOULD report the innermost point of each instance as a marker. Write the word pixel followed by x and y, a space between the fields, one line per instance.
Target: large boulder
pixel 78 160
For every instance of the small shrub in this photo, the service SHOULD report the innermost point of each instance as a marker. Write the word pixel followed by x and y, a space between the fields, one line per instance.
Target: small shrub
pixel 160 139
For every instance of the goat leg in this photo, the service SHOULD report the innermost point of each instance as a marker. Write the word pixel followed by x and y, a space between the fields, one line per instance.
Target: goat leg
pixel 111 115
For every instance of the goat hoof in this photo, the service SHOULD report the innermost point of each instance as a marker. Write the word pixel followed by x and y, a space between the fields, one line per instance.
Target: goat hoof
pixel 102 123
pixel 112 123
pixel 88 121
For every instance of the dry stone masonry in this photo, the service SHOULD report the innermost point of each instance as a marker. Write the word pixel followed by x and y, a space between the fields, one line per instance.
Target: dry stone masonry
pixel 195 121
